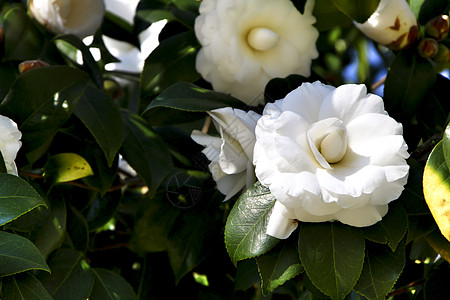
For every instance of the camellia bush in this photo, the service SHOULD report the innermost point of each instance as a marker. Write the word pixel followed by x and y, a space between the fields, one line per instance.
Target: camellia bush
pixel 224 149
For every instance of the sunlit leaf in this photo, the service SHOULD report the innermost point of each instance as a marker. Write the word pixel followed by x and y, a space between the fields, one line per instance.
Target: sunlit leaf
pixel 245 231
pixel 381 269
pixel 333 256
pixel 64 167
pixel 17 197
pixel 436 188
pixel 18 254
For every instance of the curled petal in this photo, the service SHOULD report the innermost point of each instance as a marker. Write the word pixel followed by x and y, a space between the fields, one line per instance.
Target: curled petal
pixel 281 224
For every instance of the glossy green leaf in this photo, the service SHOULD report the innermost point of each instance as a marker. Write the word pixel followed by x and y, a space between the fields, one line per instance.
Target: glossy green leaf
pixel 247 274
pixel 77 230
pixel 329 16
pixel 110 286
pixel 183 102
pixel 358 10
pixel 71 276
pixel 446 146
pixel 381 269
pixel 102 209
pixel 409 79
pixel 144 150
pixel 22 39
pixel 436 188
pixel 419 226
pixel 49 236
pixel 17 197
pixel 195 230
pixel 41 107
pixel 279 265
pixel 391 229
pixel 412 196
pixel 333 256
pixel 17 254
pixel 172 61
pixel 24 286
pixel 101 115
pixel 245 230
pixel 64 167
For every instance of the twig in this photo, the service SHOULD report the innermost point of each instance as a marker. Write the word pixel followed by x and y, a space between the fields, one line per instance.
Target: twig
pixel 378 83
pixel 406 288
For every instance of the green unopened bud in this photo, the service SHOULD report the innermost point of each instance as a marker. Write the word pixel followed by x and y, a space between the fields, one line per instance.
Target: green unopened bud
pixel 438 27
pixel 428 48
pixel 31 64
pixel 113 88
pixel 443 55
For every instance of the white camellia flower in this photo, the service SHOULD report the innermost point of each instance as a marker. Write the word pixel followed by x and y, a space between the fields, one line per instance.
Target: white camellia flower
pixel 393 25
pixel 329 154
pixel 248 42
pixel 78 17
pixel 9 143
pixel 231 155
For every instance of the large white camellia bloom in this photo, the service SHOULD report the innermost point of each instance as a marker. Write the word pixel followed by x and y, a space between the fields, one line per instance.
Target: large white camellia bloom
pixel 248 42
pixel 9 143
pixel 78 17
pixel 393 25
pixel 329 154
pixel 231 155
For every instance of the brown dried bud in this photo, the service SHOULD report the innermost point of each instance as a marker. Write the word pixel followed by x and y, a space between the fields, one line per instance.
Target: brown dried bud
pixel 438 27
pixel 428 48
pixel 31 64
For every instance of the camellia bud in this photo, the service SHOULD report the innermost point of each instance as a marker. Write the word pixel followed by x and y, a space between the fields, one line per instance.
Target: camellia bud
pixel 31 64
pixel 438 27
pixel 428 48
pixel 443 55
pixel 79 17
pixel 113 88
pixel 393 25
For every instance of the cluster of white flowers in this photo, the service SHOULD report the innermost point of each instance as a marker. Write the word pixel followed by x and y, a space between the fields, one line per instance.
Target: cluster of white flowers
pixel 9 143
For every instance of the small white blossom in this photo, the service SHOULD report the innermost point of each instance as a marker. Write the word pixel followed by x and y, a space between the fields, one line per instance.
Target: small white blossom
pixel 329 154
pixel 231 154
pixel 78 17
pixel 393 25
pixel 9 143
pixel 248 42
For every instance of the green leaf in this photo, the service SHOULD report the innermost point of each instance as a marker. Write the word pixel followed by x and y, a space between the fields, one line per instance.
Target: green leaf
pixel 412 196
pixel 172 61
pixel 436 188
pixel 17 254
pixel 41 107
pixel 245 230
pixel 446 146
pixel 144 150
pixel 101 115
pixel 71 276
pixel 328 16
pixel 437 281
pixel 381 269
pixel 279 265
pixel 391 229
pixel 333 256
pixel 24 286
pixel 64 167
pixel 49 236
pixel 247 274
pixel 22 40
pixel 77 230
pixel 433 8
pixel 17 197
pixel 110 286
pixel 102 209
pixel 419 226
pixel 89 65
pixel 183 102
pixel 358 10
pixel 415 6
pixel 439 243
pixel 409 79
pixel 196 230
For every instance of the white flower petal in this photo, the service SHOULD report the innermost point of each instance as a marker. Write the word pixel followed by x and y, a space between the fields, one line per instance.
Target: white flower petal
pixel 363 216
pixel 280 224
pixel 370 126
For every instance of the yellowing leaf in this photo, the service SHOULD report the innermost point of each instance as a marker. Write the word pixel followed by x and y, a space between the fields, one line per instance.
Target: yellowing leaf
pixel 65 167
pixel 436 189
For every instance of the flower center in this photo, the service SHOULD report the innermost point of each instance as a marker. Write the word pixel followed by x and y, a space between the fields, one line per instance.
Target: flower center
pixel 328 141
pixel 262 39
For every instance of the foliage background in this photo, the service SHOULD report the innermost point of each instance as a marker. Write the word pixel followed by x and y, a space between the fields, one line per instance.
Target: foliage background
pixel 76 224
